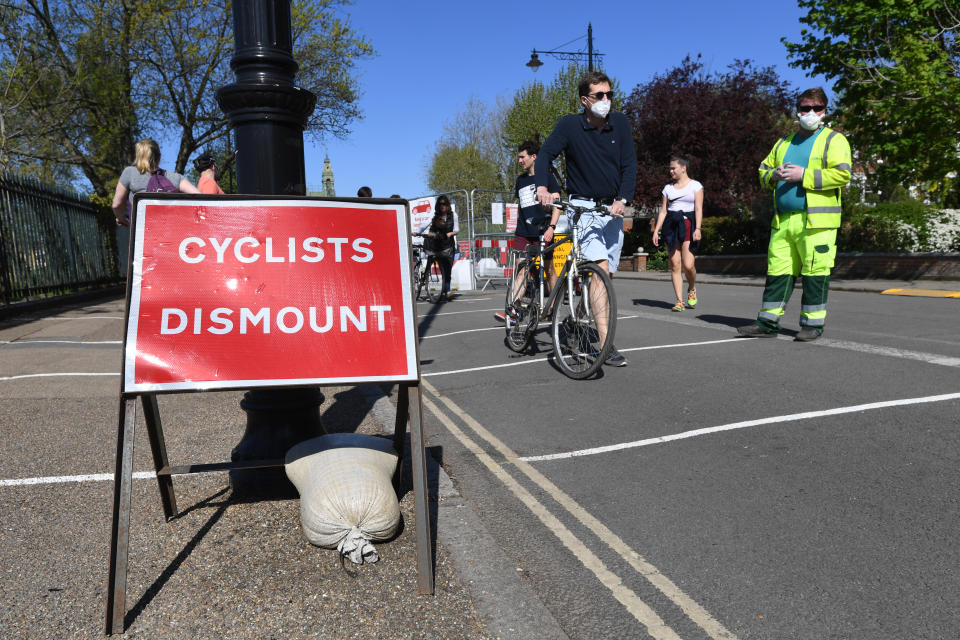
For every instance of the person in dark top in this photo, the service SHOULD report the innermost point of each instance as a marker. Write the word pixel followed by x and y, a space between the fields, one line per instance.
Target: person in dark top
pixel 441 240
pixel 364 192
pixel 532 216
pixel 601 170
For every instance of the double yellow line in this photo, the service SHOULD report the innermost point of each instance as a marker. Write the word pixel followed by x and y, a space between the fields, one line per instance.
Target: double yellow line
pixel 655 625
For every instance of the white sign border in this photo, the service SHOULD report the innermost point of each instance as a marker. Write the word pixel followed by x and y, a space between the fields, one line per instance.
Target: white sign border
pixel 136 275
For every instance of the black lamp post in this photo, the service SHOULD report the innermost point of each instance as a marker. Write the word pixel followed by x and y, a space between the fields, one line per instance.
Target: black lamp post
pixel 268 114
pixel 534 63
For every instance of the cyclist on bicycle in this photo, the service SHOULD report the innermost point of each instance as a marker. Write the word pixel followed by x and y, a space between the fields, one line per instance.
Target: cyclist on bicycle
pixel 601 169
pixel 532 217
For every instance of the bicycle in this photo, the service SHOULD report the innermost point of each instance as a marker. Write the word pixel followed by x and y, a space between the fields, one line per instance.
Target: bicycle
pixel 582 307
pixel 427 278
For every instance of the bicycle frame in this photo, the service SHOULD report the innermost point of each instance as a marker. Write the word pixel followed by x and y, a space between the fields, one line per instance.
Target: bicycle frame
pixel 569 272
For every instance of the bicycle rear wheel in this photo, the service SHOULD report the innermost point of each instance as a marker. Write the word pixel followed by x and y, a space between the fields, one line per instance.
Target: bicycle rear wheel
pixel 583 327
pixel 522 311
pixel 433 281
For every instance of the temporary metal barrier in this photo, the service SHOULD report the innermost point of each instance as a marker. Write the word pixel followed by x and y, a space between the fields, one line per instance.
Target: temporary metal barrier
pixel 52 241
pixel 493 262
pixel 488 221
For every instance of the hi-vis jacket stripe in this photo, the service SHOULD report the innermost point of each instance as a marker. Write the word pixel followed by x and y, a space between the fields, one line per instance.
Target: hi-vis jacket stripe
pixel 826 173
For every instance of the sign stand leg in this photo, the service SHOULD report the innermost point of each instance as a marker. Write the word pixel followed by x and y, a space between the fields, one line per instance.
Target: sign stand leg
pixel 421 505
pixel 116 600
pixel 151 415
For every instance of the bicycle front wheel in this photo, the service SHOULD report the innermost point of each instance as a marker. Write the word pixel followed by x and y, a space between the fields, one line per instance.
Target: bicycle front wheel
pixel 418 281
pixel 583 327
pixel 434 281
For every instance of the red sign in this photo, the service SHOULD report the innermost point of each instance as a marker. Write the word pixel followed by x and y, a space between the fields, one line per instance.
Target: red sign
pixel 513 210
pixel 268 292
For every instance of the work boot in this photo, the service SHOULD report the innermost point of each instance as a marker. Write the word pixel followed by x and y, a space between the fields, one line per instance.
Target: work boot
pixel 808 334
pixel 756 331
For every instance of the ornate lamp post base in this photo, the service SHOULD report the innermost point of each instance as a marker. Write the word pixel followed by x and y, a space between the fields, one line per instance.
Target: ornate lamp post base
pixel 268 113
pixel 277 419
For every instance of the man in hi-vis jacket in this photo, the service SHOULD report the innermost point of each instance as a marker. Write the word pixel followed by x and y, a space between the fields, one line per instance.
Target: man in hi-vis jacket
pixel 806 170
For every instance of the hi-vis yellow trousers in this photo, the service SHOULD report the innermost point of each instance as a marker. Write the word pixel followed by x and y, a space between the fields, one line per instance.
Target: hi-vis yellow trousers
pixel 797 251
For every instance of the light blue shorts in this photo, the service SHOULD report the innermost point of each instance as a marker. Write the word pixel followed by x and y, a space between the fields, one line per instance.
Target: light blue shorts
pixel 601 237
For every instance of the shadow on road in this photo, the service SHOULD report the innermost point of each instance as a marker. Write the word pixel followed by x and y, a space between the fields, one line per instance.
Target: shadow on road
pixel 646 302
pixel 175 564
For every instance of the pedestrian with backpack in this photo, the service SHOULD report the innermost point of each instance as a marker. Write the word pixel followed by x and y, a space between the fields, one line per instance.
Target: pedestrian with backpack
pixel 146 175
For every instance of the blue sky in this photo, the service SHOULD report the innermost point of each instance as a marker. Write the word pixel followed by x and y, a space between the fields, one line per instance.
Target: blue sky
pixel 433 56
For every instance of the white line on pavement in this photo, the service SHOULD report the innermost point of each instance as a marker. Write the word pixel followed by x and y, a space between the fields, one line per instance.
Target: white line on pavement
pixel 535 360
pixel 455 333
pixel 83 318
pixel 90 477
pixel 929 358
pixel 741 425
pixel 61 341
pixel 55 375
pixel 421 316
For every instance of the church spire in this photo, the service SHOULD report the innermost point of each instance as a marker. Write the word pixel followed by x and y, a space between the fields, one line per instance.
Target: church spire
pixel 328 188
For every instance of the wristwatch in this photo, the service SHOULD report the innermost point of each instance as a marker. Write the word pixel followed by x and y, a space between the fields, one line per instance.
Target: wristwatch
pixel 624 201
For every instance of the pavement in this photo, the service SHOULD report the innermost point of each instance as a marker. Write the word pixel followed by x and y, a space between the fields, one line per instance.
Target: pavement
pixel 226 568
pixel 222 567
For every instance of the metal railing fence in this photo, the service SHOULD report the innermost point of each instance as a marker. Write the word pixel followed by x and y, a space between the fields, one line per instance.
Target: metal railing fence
pixel 52 242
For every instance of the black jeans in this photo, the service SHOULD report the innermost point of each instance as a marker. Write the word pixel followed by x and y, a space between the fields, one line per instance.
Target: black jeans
pixel 446 266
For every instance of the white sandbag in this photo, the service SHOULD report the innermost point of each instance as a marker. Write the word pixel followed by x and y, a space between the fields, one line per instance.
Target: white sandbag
pixel 347 498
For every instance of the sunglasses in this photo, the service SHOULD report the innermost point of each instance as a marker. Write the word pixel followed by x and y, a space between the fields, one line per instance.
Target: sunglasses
pixel 816 107
pixel 600 94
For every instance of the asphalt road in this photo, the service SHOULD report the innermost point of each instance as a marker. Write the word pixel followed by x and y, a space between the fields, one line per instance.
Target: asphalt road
pixel 717 487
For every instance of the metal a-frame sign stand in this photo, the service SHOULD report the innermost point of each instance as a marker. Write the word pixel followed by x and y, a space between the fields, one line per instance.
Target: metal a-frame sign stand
pixel 407 411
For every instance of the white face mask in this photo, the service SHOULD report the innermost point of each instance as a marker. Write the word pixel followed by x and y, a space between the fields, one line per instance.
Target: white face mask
pixel 810 120
pixel 600 108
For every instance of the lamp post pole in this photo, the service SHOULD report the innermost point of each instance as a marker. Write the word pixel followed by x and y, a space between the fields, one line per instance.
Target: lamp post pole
pixel 268 113
pixel 590 47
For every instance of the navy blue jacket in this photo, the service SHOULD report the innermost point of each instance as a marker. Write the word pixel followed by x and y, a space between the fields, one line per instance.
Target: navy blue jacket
pixel 601 164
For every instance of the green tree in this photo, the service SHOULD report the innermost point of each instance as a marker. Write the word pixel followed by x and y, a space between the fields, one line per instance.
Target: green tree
pixel 537 107
pixel 469 154
pixel 896 67
pixel 112 70
pixel 68 67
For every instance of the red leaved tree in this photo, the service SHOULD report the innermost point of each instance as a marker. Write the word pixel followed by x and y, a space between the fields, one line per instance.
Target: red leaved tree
pixel 726 123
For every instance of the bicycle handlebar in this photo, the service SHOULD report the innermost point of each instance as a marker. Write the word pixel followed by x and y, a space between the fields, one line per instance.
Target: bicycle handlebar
pixel 579 210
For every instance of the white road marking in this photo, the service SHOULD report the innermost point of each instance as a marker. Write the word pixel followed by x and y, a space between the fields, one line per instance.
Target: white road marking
pixel 38 341
pixel 456 333
pixel 929 358
pixel 742 425
pixel 83 318
pixel 692 609
pixel 56 375
pixel 535 360
pixel 91 477
pixel 640 610
pixel 421 316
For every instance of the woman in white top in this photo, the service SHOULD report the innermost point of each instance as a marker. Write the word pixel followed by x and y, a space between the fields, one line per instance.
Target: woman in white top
pixel 681 212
